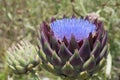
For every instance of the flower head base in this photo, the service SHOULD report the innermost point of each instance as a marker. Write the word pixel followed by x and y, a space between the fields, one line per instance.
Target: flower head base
pixel 80 28
pixel 22 57
pixel 71 47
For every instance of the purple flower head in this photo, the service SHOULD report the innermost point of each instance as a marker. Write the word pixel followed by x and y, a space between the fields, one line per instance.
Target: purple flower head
pixel 67 27
pixel 73 46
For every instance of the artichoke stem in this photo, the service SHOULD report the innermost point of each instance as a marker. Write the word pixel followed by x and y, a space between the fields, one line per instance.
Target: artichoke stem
pixel 66 78
pixel 35 76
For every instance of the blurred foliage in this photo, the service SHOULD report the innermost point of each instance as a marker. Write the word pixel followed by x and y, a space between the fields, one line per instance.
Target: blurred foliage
pixel 20 19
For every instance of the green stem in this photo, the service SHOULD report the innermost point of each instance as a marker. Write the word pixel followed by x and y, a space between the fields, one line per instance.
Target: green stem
pixel 66 78
pixel 35 76
pixel 83 7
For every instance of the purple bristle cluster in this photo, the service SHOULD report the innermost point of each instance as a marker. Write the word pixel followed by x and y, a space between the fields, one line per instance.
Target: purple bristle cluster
pixel 67 27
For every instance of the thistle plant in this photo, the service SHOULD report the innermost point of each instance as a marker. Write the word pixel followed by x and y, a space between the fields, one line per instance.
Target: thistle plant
pixel 73 48
pixel 21 58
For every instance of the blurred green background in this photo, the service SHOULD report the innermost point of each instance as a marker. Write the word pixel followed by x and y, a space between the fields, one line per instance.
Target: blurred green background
pixel 20 19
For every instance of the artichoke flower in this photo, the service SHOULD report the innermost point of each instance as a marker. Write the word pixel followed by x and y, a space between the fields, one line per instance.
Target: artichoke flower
pixel 73 48
pixel 21 58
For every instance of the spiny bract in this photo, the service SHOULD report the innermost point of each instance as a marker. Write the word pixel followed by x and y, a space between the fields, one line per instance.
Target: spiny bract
pixel 21 58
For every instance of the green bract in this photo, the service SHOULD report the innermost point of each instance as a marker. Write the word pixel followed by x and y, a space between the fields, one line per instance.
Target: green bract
pixel 21 58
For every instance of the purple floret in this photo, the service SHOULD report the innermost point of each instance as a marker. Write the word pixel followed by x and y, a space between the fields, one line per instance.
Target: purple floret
pixel 78 27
